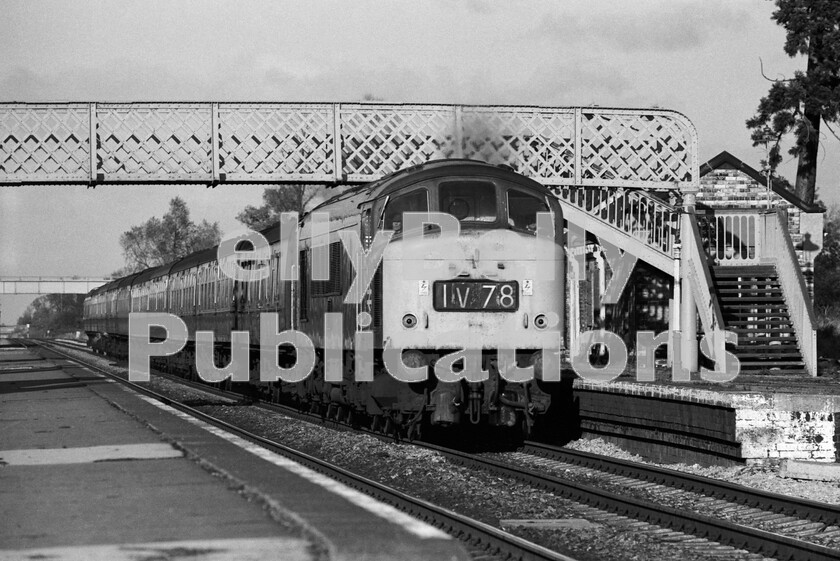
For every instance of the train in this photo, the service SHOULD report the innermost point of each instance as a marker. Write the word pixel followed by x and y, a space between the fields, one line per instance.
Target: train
pixel 477 307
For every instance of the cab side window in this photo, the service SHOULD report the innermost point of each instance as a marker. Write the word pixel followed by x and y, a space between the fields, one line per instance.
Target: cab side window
pixel 523 209
pixel 415 201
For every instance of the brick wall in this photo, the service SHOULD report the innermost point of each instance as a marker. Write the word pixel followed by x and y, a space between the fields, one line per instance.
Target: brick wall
pixel 750 426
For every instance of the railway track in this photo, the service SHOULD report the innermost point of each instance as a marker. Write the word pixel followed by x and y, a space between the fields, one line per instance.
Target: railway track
pixel 783 543
pixel 475 534
pixel 815 511
pixel 769 524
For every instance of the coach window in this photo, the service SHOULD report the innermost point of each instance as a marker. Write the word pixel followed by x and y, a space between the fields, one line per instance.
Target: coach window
pixel 522 210
pixel 469 201
pixel 415 201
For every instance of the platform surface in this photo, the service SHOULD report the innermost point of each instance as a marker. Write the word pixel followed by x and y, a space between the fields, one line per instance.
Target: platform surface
pixel 92 470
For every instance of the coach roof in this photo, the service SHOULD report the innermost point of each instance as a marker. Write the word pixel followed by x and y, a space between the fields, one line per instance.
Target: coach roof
pixel 194 260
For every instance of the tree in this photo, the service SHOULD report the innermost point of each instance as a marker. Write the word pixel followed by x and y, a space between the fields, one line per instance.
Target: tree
pixel 163 240
pixel 53 313
pixel 827 263
pixel 287 198
pixel 798 105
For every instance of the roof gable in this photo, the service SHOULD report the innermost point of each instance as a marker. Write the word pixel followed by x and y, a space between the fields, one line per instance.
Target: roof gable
pixel 725 160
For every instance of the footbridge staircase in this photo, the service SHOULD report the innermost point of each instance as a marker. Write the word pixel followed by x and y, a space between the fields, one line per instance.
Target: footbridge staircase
pixel 627 177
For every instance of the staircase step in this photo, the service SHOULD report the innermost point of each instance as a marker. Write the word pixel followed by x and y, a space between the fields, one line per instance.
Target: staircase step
pixel 763 345
pixel 745 290
pixel 744 270
pixel 746 279
pixel 790 342
pixel 760 328
pixel 739 281
pixel 749 321
pixel 761 325
pixel 751 302
pixel 745 287
pixel 776 371
pixel 752 364
pixel 764 325
pixel 759 299
pixel 758 303
pixel 754 317
pixel 744 343
pixel 757 295
pixel 797 356
pixel 742 287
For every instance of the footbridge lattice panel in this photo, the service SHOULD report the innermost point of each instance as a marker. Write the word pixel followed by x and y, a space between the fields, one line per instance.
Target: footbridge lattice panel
pixel 49 143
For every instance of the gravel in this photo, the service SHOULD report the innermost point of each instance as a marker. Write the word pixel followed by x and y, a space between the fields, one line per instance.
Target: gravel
pixel 486 497
pixel 757 476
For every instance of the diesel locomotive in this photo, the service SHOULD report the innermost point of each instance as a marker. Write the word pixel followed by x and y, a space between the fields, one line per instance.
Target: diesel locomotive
pixel 480 312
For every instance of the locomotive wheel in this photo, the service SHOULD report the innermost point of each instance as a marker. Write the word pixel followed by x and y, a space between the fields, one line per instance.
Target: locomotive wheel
pixel 525 428
pixel 414 431
pixel 392 428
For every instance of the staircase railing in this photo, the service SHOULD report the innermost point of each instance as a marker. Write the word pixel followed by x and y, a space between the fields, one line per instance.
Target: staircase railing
pixel 636 213
pixel 702 287
pixel 778 243
pixel 732 237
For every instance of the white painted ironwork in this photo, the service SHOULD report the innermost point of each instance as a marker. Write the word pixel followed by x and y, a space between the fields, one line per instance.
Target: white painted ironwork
pixel 777 242
pixel 341 143
pixel 50 285
pixel 701 288
pixel 733 237
pixel 633 212
pixel 45 142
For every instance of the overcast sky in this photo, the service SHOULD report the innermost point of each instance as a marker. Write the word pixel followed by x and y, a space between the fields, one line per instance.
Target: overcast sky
pixel 700 58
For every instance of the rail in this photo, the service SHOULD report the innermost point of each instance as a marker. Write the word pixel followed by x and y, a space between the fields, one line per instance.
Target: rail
pixel 799 305
pixel 634 212
pixel 829 514
pixel 43 143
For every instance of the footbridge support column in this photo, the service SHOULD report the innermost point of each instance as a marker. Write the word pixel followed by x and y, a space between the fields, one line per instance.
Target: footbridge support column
pixel 688 308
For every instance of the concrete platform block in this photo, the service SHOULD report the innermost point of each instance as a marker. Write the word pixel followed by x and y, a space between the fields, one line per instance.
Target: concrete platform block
pixel 814 471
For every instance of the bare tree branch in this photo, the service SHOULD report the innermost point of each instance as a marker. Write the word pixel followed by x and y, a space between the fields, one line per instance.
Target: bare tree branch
pixel 831 130
pixel 782 79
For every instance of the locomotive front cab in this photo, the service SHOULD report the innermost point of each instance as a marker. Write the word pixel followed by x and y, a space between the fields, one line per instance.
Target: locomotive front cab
pixel 476 302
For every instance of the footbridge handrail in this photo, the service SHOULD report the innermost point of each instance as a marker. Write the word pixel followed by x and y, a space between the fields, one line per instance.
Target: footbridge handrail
pixel 50 285
pixel 799 305
pixel 634 212
pixel 702 285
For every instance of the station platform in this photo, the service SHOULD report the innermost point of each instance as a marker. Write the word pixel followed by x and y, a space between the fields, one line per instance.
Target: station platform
pixel 749 420
pixel 89 469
